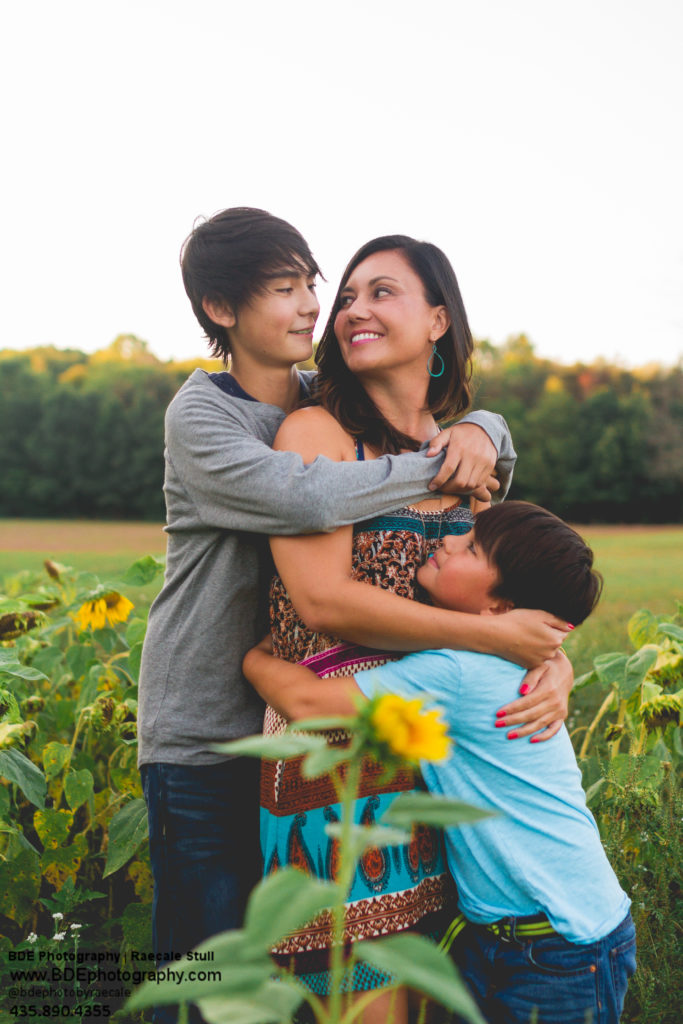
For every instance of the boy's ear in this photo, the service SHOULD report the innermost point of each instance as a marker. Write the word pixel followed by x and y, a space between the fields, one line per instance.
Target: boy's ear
pixel 497 605
pixel 220 312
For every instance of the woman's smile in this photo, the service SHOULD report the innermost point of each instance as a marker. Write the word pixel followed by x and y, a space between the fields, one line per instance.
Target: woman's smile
pixel 362 337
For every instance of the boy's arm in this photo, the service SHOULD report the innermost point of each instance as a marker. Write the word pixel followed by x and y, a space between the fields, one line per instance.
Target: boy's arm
pixel 237 482
pixel 295 691
pixel 464 457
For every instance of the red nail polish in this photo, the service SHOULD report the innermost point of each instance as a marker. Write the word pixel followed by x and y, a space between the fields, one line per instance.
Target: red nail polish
pixel 500 724
pixel 513 735
pixel 500 714
pixel 524 689
pixel 569 626
pixel 535 739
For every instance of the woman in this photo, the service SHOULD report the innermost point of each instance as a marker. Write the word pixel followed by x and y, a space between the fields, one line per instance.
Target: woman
pixel 394 358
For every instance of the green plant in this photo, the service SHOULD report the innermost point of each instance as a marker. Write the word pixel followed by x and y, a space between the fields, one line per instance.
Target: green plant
pixel 72 817
pixel 631 754
pixel 244 986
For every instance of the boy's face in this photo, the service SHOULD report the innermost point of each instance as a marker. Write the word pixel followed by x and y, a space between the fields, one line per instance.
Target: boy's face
pixel 275 327
pixel 458 576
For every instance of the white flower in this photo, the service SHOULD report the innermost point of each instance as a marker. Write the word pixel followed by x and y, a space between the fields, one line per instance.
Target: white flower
pixel 58 936
pixel 75 927
pixel 32 937
pixel 58 916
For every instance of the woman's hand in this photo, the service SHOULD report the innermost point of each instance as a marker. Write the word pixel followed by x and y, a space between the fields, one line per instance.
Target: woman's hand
pixel 544 703
pixel 469 464
pixel 527 637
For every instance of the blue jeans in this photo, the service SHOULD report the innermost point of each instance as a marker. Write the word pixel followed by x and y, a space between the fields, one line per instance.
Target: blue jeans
pixel 204 851
pixel 565 982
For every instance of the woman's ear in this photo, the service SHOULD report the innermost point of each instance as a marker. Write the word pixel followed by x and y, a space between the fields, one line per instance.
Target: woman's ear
pixel 219 312
pixel 441 323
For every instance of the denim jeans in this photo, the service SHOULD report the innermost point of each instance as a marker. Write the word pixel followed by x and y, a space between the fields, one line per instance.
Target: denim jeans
pixel 566 983
pixel 204 851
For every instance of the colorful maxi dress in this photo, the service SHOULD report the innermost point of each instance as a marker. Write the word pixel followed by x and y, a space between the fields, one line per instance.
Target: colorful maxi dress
pixel 395 888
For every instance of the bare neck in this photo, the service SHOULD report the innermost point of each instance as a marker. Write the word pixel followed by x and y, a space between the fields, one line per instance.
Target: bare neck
pixel 404 406
pixel 273 385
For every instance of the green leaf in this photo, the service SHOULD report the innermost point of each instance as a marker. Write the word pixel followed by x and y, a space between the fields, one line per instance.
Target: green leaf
pixel 127 829
pixel 585 680
pixel 20 671
pixel 79 658
pixel 637 667
pixel 135 632
pixel 78 787
pixel 432 810
pixel 281 903
pixel 134 660
pixel 610 668
pixel 593 790
pixel 327 723
pixel 136 924
pixel 17 768
pixel 671 630
pixel 143 571
pixel 642 628
pixel 272 747
pixel 418 963
pixel 52 826
pixel 19 885
pixel 324 760
pixel 55 756
pixel 236 978
pixel 274 1003
pixel 362 837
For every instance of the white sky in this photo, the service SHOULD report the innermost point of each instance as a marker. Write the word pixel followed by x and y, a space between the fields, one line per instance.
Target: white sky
pixel 538 142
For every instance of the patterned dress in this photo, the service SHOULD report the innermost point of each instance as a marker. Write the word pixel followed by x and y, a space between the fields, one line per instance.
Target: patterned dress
pixel 394 888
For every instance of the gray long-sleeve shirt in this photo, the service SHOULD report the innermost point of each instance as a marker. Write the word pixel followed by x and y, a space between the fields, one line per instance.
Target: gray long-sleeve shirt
pixel 226 491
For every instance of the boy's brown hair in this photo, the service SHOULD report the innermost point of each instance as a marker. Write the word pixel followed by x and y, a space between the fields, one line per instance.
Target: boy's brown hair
pixel 542 563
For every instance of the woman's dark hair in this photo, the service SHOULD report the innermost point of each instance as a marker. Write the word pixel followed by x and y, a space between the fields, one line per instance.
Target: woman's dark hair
pixel 542 562
pixel 230 258
pixel 342 394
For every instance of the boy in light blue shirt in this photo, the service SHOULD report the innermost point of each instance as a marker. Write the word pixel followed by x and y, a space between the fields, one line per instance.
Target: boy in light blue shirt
pixel 545 924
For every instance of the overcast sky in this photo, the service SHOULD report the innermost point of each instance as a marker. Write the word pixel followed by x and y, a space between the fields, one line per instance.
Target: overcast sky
pixel 539 143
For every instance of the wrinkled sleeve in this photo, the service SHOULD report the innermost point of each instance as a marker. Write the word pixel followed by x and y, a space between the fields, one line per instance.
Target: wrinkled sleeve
pixel 235 481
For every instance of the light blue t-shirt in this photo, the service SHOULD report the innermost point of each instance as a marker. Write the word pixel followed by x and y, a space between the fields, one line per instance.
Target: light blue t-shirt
pixel 542 852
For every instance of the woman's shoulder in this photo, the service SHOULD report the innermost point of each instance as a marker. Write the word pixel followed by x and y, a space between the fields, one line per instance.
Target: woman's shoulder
pixel 313 431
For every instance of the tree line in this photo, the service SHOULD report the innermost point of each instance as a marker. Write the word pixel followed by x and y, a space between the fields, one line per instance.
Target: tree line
pixel 82 435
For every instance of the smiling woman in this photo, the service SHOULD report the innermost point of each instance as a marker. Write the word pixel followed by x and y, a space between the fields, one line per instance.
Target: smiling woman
pixel 398 303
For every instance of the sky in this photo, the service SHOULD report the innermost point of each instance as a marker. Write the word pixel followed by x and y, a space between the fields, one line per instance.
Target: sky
pixel 539 143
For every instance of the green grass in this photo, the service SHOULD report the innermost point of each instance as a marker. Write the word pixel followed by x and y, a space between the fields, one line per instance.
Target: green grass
pixel 642 568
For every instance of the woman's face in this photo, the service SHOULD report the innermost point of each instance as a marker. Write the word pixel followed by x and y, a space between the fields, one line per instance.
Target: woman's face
pixel 385 321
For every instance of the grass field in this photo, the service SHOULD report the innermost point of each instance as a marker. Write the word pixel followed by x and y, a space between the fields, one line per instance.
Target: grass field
pixel 642 566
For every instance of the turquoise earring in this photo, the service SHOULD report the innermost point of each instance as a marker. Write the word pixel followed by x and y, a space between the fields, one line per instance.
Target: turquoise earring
pixel 430 362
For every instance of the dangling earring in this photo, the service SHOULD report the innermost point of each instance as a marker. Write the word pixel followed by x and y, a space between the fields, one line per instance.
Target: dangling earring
pixel 430 362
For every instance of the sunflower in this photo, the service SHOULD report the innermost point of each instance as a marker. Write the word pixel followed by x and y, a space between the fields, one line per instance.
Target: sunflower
pixel 109 608
pixel 410 732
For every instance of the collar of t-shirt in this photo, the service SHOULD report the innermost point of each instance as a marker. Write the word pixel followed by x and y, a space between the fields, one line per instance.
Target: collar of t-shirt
pixel 226 382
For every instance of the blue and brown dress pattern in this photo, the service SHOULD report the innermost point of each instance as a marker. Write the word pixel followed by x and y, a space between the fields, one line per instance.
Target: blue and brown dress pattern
pixel 395 888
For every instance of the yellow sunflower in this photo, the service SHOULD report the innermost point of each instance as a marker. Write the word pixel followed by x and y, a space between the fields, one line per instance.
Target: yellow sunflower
pixel 408 730
pixel 109 608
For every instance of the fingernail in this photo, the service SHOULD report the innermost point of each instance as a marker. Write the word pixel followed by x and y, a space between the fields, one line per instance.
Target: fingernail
pixel 432 487
pixel 513 735
pixel 524 689
pixel 500 724
pixel 534 739
pixel 569 626
pixel 500 714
